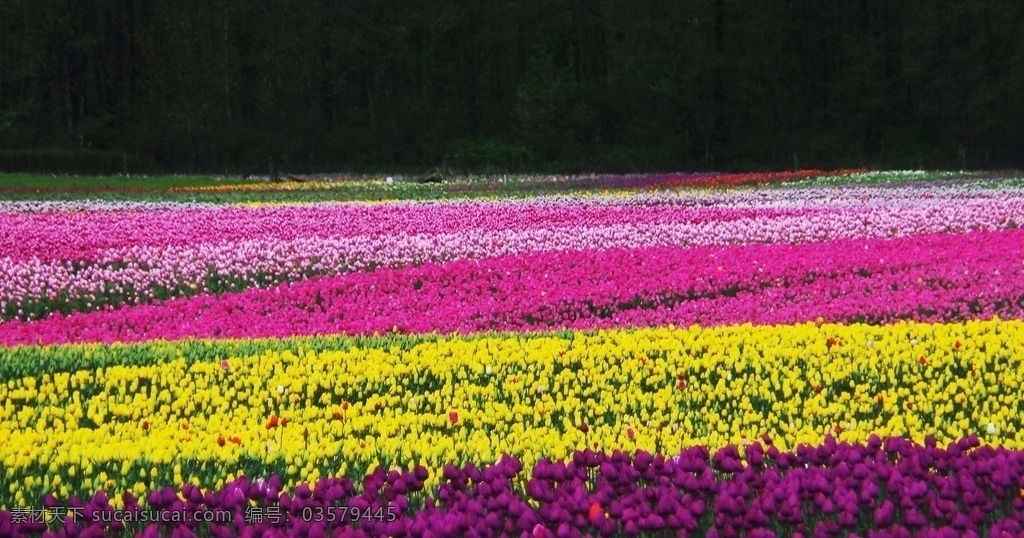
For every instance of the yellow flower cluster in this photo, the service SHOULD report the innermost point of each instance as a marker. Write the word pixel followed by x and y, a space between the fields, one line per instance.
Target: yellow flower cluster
pixel 304 413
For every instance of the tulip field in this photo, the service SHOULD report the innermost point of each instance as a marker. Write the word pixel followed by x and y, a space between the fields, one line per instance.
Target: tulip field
pixel 791 354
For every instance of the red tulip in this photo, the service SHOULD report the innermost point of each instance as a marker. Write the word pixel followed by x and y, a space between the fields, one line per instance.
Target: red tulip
pixel 220 440
pixel 453 417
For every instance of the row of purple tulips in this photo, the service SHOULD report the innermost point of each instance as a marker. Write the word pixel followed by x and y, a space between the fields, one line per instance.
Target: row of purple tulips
pixel 893 488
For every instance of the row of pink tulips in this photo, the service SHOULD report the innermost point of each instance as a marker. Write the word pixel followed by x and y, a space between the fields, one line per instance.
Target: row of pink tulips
pixel 927 278
pixel 137 273
pixel 88 234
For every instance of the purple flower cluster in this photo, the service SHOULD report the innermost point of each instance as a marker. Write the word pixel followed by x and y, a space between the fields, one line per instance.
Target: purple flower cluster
pixel 894 488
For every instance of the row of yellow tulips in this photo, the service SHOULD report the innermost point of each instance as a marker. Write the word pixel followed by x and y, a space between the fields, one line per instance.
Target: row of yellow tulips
pixel 308 413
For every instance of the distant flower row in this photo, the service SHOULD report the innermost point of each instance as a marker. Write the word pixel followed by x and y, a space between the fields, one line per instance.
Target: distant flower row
pixel 60 262
pixel 539 184
pixel 81 231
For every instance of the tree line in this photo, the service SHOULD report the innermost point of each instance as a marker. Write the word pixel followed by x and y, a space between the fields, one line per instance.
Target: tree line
pixel 319 85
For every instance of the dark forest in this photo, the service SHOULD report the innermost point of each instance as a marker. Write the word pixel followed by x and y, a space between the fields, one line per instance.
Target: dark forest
pixel 236 86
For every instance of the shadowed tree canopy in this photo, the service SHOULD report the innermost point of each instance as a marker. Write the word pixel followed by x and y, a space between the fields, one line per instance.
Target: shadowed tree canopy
pixel 241 86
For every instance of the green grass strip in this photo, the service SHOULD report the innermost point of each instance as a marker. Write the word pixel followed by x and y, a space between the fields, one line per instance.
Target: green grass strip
pixel 101 183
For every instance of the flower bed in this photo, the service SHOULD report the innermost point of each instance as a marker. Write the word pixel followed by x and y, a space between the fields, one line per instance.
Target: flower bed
pixel 716 363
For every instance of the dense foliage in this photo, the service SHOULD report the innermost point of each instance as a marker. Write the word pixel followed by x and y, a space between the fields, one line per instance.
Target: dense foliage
pixel 253 85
